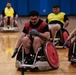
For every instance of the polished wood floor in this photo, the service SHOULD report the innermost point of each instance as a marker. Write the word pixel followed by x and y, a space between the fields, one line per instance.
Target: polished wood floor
pixel 7 64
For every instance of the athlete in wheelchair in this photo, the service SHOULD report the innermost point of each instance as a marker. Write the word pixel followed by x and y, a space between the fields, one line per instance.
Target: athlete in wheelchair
pixel 72 49
pixel 56 22
pixel 30 45
pixel 8 18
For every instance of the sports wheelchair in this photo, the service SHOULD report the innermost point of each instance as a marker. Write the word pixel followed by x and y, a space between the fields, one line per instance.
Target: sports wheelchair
pixel 8 28
pixel 60 37
pixel 46 58
pixel 72 52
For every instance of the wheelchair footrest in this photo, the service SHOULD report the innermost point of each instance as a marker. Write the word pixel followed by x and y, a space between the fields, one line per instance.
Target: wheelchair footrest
pixel 9 29
pixel 55 39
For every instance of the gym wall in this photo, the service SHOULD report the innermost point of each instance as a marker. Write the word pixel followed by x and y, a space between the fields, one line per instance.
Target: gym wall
pixel 44 7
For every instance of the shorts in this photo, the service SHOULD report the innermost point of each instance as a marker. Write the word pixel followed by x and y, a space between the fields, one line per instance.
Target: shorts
pixel 53 25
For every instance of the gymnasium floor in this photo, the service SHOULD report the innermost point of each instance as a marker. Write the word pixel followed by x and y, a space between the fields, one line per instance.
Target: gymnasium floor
pixel 7 44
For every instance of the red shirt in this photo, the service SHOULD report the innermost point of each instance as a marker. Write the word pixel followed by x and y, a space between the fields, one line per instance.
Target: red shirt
pixel 41 26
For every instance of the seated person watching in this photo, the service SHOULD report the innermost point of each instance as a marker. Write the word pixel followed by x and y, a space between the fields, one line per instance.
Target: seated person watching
pixel 8 15
pixel 56 20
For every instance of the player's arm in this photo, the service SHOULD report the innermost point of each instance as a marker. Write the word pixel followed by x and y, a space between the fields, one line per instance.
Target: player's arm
pixel 15 14
pixel 66 21
pixel 72 34
pixel 46 34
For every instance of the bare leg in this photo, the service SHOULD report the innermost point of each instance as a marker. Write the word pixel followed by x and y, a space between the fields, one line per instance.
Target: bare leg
pixel 54 30
pixel 5 21
pixel 27 44
pixel 53 33
pixel 37 43
pixel 11 21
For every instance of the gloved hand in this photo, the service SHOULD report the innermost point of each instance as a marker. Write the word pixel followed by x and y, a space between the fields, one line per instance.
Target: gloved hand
pixel 15 52
pixel 34 32
pixel 65 44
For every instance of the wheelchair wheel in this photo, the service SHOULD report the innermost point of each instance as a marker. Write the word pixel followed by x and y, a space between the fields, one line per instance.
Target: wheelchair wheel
pixel 63 35
pixel 72 51
pixel 51 54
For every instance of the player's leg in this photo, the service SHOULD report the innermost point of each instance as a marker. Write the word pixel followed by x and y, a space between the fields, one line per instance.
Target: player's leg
pixel 53 28
pixel 38 42
pixel 11 21
pixel 26 44
pixel 5 21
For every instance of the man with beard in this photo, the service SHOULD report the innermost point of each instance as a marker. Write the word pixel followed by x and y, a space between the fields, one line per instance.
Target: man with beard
pixel 34 34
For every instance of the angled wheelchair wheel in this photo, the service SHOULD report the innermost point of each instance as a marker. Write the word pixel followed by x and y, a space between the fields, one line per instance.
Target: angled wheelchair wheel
pixel 51 55
pixel 72 52
pixel 63 35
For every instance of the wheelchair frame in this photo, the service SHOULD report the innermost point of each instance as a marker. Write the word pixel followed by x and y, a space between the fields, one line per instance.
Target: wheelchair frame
pixel 33 66
pixel 72 59
pixel 8 29
pixel 57 39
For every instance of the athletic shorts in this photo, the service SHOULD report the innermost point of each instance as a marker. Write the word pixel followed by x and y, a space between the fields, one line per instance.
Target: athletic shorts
pixel 53 25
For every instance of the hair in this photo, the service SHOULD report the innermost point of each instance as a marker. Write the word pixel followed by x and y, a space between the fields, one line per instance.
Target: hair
pixel 56 6
pixel 34 13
